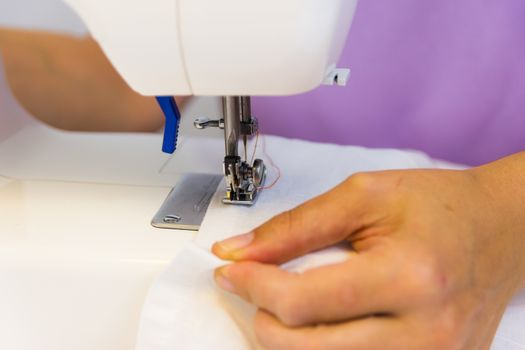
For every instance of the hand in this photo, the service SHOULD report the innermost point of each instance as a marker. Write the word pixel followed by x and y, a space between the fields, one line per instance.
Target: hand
pixel 68 82
pixel 437 259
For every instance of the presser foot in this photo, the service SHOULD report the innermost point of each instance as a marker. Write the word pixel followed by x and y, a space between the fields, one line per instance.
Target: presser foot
pixel 246 199
pixel 243 181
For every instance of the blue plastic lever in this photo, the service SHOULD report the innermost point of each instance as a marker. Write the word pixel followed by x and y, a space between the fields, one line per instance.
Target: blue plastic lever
pixel 171 129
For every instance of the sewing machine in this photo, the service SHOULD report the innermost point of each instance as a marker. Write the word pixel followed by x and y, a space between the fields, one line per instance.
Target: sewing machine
pixel 229 48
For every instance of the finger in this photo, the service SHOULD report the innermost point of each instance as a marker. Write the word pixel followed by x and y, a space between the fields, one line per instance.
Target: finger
pixel 369 333
pixel 318 223
pixel 361 286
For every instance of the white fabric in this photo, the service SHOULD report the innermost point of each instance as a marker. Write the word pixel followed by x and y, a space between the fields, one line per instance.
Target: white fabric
pixel 184 304
pixel 185 310
pixel 511 333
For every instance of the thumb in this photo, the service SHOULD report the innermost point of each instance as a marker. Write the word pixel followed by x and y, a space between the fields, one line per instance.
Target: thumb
pixel 318 223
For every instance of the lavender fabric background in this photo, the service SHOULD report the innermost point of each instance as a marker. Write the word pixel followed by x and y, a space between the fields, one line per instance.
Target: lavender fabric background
pixel 443 76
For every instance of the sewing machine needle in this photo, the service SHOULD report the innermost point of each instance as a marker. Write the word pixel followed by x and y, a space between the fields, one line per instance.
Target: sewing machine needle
pixel 245 142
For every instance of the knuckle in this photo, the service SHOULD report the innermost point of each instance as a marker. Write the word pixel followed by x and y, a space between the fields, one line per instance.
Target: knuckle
pixel 346 295
pixel 315 338
pixel 307 344
pixel 244 278
pixel 361 181
pixel 261 329
pixel 437 332
pixel 446 335
pixel 286 221
pixel 243 271
pixel 292 224
pixel 428 278
pixel 269 338
pixel 266 333
pixel 385 183
pixel 290 310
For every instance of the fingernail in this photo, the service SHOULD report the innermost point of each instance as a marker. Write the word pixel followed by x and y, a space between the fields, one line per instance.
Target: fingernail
pixel 235 243
pixel 222 281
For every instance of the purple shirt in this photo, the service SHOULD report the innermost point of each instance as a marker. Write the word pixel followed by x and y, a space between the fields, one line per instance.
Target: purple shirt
pixel 445 76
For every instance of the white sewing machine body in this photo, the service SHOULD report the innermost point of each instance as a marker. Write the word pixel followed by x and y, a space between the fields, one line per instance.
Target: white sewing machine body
pixel 229 48
pixel 220 47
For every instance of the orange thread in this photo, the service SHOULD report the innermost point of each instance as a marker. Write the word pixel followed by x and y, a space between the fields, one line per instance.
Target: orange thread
pixel 255 147
pixel 271 163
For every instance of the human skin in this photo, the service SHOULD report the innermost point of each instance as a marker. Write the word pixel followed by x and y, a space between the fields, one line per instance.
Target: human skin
pixel 438 256
pixel 68 83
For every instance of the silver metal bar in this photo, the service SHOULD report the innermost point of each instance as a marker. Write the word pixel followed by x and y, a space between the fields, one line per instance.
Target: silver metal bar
pixel 246 109
pixel 186 205
pixel 246 116
pixel 231 106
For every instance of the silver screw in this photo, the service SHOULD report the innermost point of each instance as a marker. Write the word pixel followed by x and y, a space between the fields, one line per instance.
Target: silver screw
pixel 172 219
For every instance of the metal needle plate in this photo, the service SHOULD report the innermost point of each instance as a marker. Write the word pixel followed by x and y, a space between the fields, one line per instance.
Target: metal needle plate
pixel 186 205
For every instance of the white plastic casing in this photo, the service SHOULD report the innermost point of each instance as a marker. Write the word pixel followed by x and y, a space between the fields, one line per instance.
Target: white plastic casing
pixel 220 47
